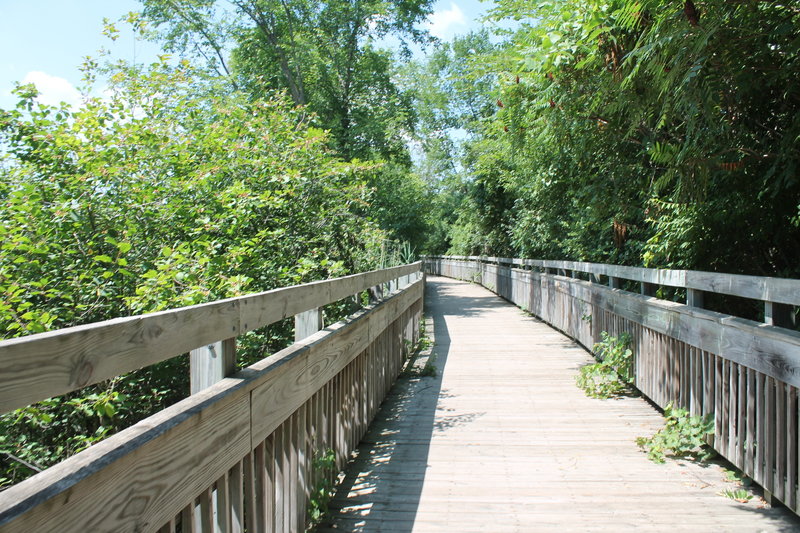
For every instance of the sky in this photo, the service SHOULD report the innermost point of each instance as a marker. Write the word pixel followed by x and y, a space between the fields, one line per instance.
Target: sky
pixel 45 41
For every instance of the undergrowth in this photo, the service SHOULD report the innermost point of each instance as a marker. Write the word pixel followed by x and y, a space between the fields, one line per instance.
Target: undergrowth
pixel 682 436
pixel 323 466
pixel 613 373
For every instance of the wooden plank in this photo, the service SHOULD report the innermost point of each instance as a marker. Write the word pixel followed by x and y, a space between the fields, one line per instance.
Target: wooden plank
pixel 750 438
pixel 780 441
pixel 209 364
pixel 187 519
pixel 236 485
pixel 780 290
pixel 790 445
pixel 294 471
pixel 307 323
pixel 741 417
pixel 269 483
pixel 50 364
pixel 222 516
pixel 250 499
pixel 205 510
pixel 209 431
pixel 768 481
pixel 761 425
pixel 732 393
pixel 143 475
pixel 258 310
pixel 281 472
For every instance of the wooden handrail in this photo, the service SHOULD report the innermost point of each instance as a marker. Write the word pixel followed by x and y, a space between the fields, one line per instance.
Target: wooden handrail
pixel 744 373
pixel 50 364
pixel 237 455
pixel 778 294
pixel 777 290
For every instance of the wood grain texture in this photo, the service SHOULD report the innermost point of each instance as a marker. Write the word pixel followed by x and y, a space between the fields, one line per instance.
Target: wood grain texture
pixel 179 460
pixel 749 376
pixel 209 364
pixel 140 478
pixel 51 364
pixel 501 440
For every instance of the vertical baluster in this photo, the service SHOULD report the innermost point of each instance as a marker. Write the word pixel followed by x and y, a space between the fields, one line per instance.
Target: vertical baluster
pixel 749 466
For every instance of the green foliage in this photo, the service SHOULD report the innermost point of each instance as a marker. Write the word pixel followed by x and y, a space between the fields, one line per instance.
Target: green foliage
pixel 682 436
pixel 430 369
pixel 740 495
pixel 324 471
pixel 630 132
pixel 452 97
pixel 612 375
pixel 166 192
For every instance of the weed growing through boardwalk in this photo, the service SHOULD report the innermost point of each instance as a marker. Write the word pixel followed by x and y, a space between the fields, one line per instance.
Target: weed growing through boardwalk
pixel 740 495
pixel 613 373
pixel 682 436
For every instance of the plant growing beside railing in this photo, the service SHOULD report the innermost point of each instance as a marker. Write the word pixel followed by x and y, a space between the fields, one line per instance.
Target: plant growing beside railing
pixel 324 468
pixel 613 373
pixel 682 436
pixel 422 348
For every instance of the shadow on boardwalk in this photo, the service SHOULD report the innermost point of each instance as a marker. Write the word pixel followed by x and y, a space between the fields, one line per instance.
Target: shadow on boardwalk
pixel 393 456
pixel 502 440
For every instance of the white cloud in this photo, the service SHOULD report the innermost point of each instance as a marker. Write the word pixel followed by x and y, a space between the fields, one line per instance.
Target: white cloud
pixel 53 89
pixel 441 23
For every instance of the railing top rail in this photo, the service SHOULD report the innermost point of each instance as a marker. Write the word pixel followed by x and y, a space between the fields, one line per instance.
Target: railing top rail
pixel 768 289
pixel 49 364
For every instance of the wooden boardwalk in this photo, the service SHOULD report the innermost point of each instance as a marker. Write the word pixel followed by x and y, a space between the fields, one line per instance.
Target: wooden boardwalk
pixel 501 439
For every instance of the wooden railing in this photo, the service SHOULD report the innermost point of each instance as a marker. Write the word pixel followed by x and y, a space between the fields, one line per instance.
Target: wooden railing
pixel 237 454
pixel 745 373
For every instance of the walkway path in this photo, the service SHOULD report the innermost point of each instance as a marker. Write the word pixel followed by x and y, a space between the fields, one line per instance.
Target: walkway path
pixel 502 440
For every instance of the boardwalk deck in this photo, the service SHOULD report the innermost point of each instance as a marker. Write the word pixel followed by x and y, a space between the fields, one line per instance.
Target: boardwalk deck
pixel 502 440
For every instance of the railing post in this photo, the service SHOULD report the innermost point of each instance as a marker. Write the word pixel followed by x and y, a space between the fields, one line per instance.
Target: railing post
pixel 375 293
pixel 694 298
pixel 780 315
pixel 613 282
pixel 307 323
pixel 211 363
pixel 648 289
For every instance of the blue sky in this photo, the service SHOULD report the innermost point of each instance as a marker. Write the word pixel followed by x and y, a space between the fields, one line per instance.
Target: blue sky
pixel 45 41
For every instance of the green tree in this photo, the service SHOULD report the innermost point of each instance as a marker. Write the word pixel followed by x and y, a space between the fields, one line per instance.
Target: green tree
pixel 166 192
pixel 320 52
pixel 650 132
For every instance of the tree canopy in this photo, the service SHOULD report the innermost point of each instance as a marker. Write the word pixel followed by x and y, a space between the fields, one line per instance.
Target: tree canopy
pixel 281 144
pixel 645 132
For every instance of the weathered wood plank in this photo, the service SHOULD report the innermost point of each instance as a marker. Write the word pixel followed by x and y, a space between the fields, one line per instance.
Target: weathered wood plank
pixel 54 363
pixel 146 474
pixel 497 441
pixel 50 364
pixel 779 290
pixel 143 475
pixel 210 363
